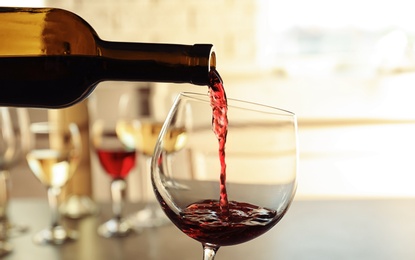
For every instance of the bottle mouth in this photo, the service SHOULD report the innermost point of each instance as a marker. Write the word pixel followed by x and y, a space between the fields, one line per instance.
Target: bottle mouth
pixel 212 59
pixel 206 61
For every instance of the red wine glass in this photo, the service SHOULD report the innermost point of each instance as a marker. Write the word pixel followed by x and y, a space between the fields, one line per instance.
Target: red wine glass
pixel 226 198
pixel 117 161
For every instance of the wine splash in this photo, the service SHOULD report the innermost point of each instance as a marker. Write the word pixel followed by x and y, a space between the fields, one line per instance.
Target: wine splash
pixel 219 105
pixel 202 221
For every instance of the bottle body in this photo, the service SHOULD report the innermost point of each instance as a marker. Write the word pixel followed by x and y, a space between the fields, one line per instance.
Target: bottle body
pixel 52 58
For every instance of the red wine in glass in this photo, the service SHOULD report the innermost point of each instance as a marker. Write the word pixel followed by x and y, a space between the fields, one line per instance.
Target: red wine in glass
pixel 117 163
pixel 202 221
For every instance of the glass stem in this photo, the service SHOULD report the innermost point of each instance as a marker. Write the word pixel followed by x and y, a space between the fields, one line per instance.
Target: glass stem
pixel 4 194
pixel 53 197
pixel 118 187
pixel 209 251
pixel 4 201
pixel 147 190
pixel 145 163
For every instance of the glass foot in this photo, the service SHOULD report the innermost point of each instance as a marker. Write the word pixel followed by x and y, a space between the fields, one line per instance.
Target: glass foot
pixel 14 230
pixel 55 236
pixel 77 207
pixel 115 228
pixel 5 248
pixel 150 217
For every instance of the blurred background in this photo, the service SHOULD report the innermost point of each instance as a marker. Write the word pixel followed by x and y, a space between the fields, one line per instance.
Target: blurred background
pixel 346 68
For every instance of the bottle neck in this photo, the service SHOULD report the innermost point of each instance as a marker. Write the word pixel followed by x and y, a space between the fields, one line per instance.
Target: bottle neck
pixel 157 62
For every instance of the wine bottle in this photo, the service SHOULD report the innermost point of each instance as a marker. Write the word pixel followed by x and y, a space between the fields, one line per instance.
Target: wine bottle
pixel 52 58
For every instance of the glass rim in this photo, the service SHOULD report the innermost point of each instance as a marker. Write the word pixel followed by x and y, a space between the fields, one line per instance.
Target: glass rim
pixel 44 127
pixel 271 109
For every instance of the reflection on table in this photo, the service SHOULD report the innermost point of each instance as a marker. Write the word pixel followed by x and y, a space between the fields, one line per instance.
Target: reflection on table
pixel 332 229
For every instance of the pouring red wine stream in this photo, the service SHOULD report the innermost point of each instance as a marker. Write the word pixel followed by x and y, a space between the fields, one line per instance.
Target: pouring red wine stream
pixel 219 106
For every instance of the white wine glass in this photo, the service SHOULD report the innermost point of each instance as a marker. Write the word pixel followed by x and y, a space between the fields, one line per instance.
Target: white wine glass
pixel 117 160
pixel 223 208
pixel 8 149
pixel 53 159
pixel 14 143
pixel 139 129
pixel 20 144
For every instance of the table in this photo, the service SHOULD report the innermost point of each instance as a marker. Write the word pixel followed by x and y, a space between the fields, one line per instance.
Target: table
pixel 312 229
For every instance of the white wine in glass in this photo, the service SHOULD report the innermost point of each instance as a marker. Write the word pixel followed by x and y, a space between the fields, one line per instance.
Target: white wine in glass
pixel 143 135
pixel 53 159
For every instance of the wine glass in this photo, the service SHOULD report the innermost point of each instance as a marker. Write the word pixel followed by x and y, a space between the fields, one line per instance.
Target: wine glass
pixel 117 161
pixel 222 206
pixel 140 130
pixel 8 145
pixel 19 139
pixel 53 159
pixel 14 143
